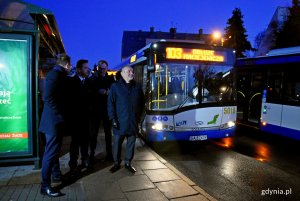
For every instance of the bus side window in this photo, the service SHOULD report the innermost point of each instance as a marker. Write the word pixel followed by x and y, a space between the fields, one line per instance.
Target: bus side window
pixel 274 94
pixel 292 88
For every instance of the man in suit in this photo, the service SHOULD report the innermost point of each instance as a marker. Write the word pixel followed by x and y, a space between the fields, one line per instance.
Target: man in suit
pixel 53 122
pixel 101 83
pixel 79 114
pixel 125 108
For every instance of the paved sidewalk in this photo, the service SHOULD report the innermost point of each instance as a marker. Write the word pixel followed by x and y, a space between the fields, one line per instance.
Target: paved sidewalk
pixel 155 180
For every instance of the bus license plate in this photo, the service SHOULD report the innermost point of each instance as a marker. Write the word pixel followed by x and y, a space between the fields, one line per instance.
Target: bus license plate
pixel 198 137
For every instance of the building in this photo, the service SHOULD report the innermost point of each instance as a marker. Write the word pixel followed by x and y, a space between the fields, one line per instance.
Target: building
pixel 277 21
pixel 132 41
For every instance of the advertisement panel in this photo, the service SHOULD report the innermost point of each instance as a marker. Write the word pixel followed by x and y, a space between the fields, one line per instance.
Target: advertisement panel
pixel 15 137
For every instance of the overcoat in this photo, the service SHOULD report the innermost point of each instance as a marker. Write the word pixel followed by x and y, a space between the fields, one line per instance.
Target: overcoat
pixel 125 105
pixel 55 100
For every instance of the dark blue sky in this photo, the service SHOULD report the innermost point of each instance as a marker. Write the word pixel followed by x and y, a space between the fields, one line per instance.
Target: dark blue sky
pixel 92 29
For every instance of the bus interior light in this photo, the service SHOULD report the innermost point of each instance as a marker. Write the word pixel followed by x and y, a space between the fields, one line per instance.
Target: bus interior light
pixel 226 74
pixel 264 123
pixel 223 88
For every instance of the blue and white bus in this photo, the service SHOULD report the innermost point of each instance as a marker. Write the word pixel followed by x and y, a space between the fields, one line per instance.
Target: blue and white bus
pixel 268 92
pixel 189 90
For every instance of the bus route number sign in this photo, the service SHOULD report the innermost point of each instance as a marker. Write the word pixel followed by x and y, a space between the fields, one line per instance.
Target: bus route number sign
pixel 229 110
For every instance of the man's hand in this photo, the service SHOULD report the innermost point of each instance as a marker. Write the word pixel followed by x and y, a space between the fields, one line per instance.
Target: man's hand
pixel 115 123
pixel 102 91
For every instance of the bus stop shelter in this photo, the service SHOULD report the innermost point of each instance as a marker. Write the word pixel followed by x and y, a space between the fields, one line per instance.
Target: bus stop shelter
pixel 29 42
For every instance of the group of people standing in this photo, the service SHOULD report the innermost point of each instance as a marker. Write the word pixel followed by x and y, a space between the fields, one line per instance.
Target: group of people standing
pixel 77 105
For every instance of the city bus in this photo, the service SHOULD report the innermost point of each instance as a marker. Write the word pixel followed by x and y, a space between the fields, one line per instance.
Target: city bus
pixel 189 90
pixel 268 92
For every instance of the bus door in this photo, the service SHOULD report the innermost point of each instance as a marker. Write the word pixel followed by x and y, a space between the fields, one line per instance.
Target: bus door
pixel 249 96
pixel 255 97
pixel 243 86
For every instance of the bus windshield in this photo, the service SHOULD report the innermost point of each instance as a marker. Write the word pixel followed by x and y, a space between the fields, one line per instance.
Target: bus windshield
pixel 175 85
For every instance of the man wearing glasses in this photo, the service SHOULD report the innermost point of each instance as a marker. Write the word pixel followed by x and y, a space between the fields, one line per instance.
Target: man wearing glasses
pixel 101 83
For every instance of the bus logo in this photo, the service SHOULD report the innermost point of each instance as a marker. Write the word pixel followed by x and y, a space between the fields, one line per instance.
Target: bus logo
pixel 180 123
pixel 214 121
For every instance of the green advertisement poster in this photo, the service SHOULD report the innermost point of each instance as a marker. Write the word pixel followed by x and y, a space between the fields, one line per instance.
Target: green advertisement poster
pixel 13 95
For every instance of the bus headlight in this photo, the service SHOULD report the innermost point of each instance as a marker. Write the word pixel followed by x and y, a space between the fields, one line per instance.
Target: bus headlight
pixel 229 124
pixel 160 127
pixel 157 126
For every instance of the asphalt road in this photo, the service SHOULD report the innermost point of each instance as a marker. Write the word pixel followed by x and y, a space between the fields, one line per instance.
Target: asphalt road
pixel 250 166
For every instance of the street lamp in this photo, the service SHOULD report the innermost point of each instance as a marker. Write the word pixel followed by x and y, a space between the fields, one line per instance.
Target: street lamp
pixel 217 38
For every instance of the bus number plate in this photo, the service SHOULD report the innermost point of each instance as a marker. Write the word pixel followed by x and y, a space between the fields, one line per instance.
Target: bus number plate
pixel 198 137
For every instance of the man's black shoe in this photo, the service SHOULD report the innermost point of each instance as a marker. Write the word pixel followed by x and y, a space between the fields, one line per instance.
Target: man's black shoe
pixel 130 168
pixel 115 168
pixel 84 164
pixel 50 192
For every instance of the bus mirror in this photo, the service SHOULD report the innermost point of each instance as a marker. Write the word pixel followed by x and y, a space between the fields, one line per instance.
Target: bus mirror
pixel 150 61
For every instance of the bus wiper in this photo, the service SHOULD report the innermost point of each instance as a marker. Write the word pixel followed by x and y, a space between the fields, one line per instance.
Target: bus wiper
pixel 183 102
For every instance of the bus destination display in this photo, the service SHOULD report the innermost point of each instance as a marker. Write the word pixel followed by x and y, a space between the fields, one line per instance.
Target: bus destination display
pixel 194 54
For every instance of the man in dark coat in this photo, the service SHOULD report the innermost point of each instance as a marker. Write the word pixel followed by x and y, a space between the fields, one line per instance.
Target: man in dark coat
pixel 53 122
pixel 101 83
pixel 79 114
pixel 125 107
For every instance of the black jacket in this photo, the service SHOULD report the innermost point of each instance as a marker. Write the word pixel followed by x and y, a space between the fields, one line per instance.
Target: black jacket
pixel 79 96
pixel 55 100
pixel 99 103
pixel 125 105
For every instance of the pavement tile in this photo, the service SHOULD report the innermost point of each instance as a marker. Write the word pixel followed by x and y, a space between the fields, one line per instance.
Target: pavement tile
pixel 150 165
pixel 182 176
pixel 175 189
pixel 6 173
pixel 146 195
pixel 191 198
pixel 8 193
pixel 17 192
pixel 5 177
pixel 79 190
pixel 21 177
pixel 144 156
pixel 103 185
pixel 160 175
pixel 108 192
pixel 134 183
